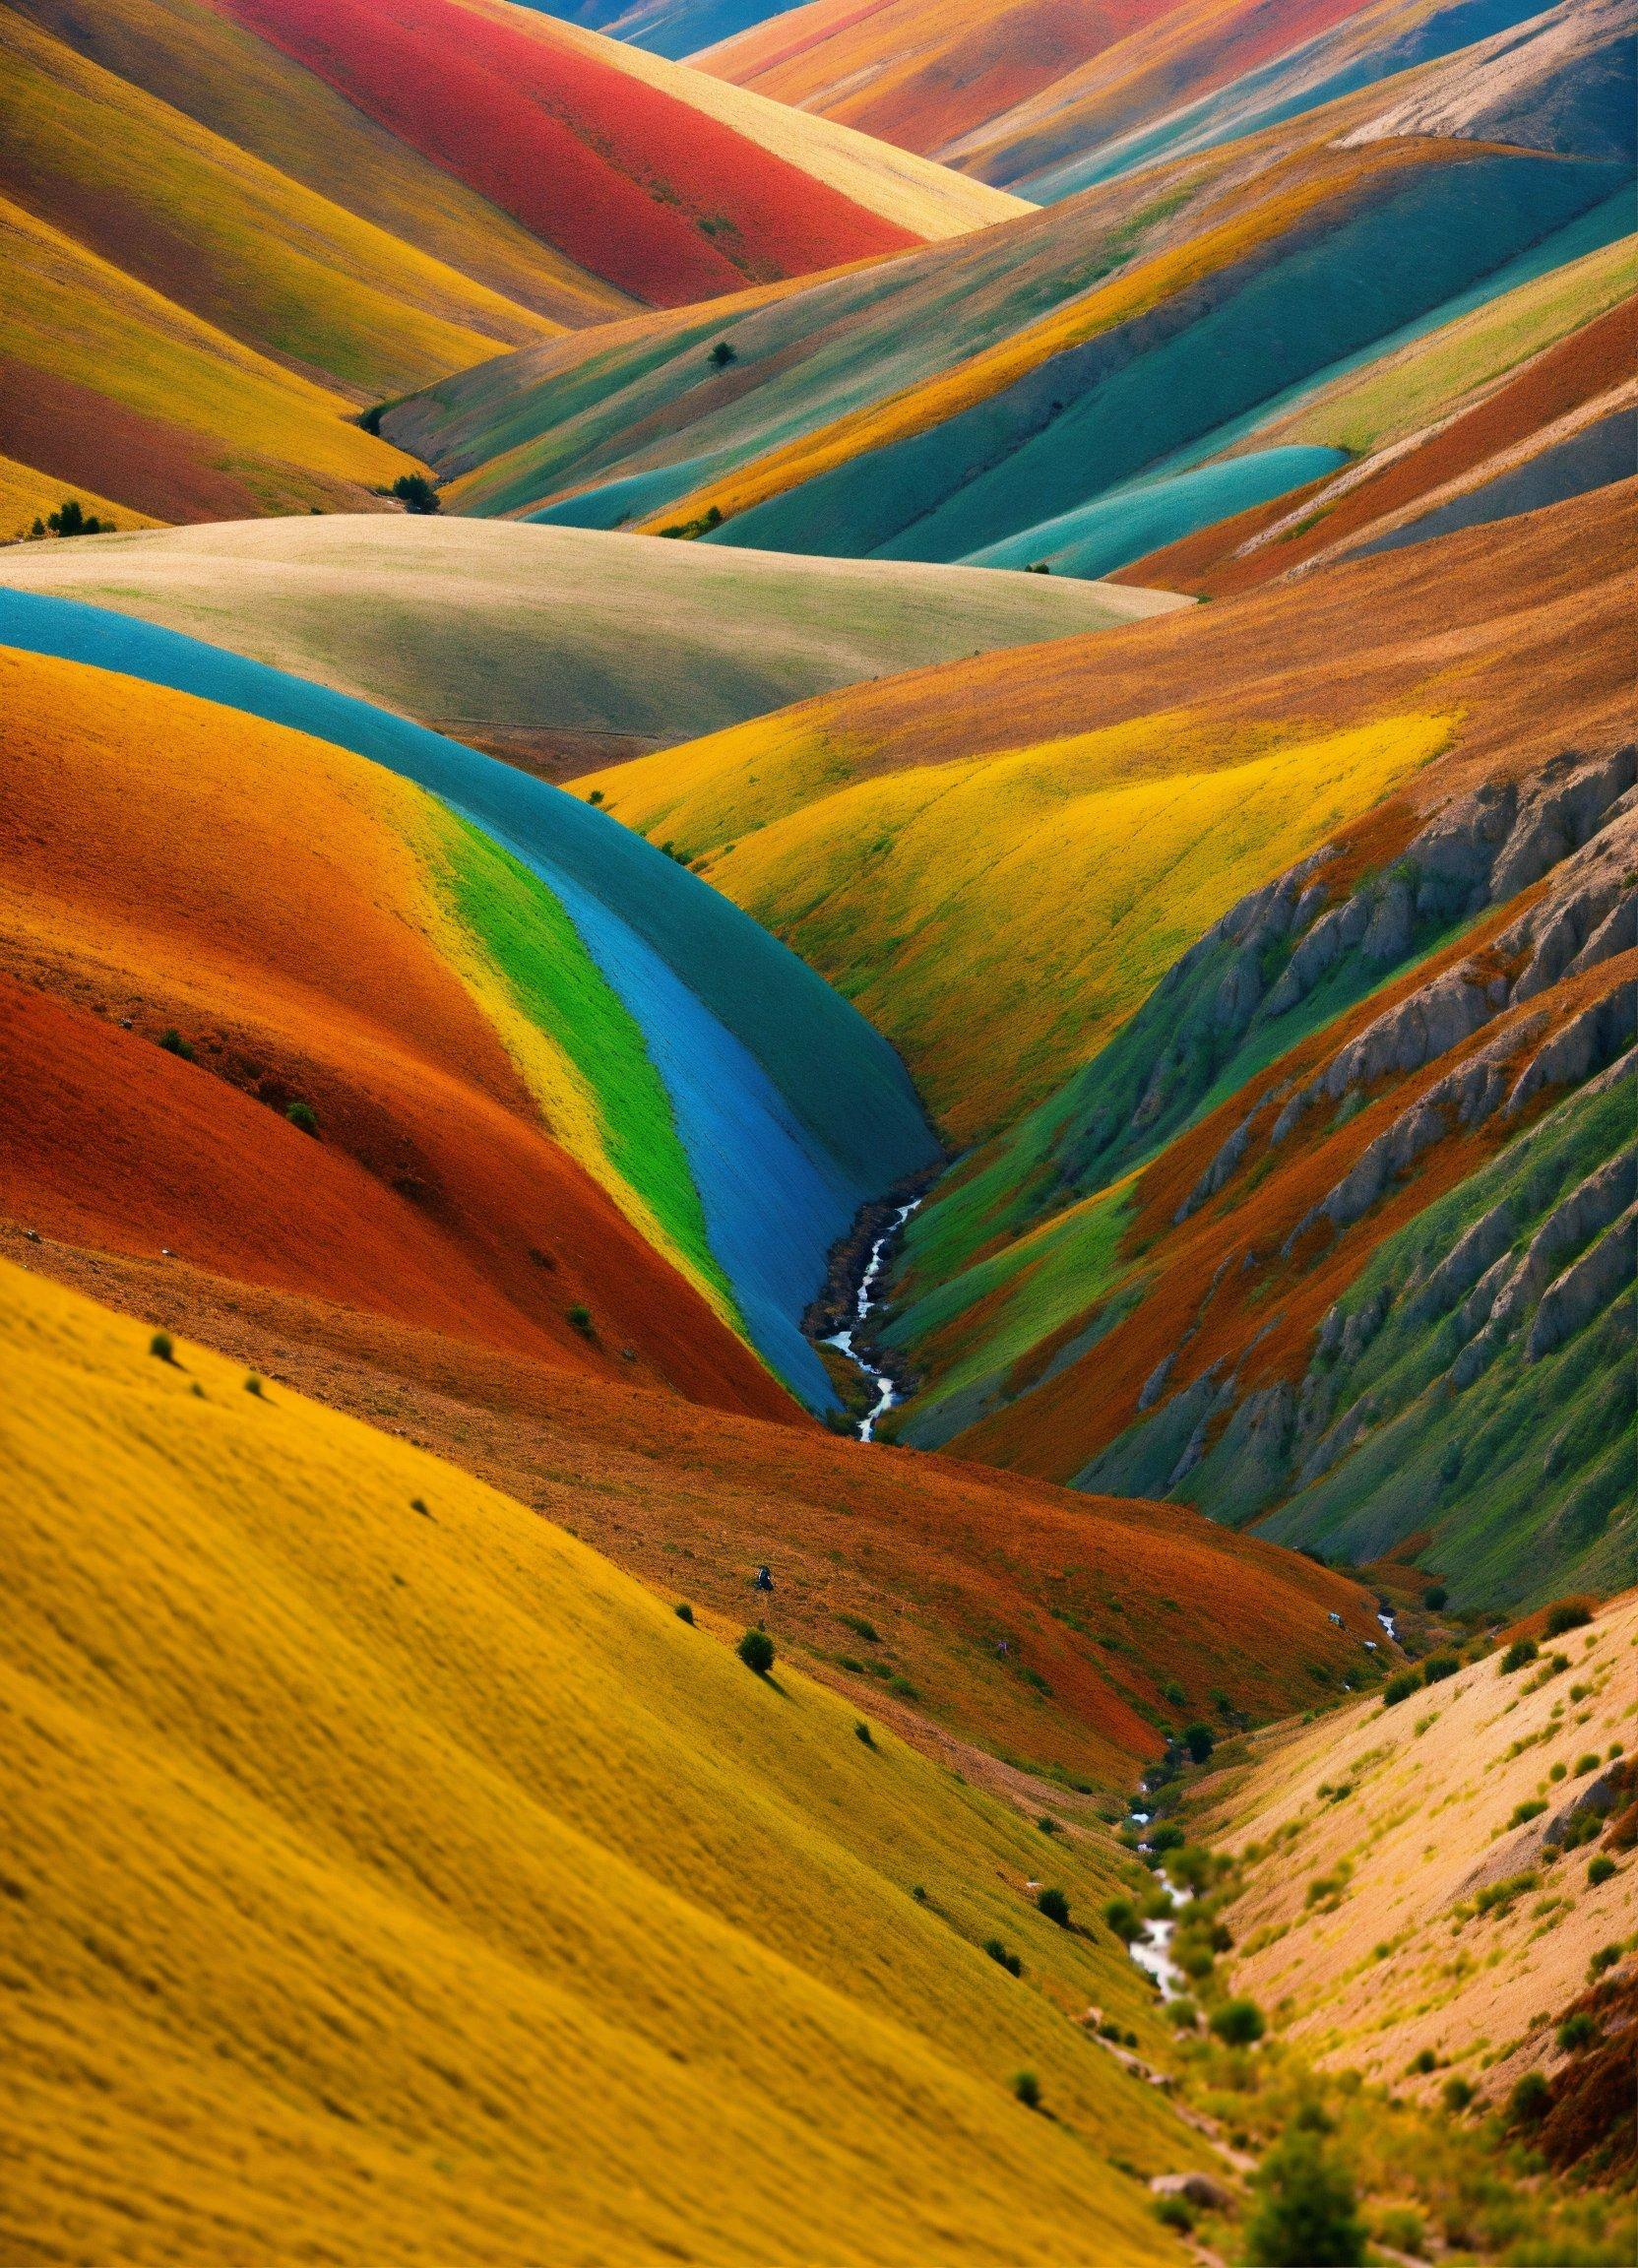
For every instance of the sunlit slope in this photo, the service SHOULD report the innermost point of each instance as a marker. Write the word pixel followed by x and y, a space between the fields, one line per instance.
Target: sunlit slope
pixel 489 1142
pixel 113 388
pixel 479 625
pixel 789 1107
pixel 395 1879
pixel 198 62
pixel 922 73
pixel 998 917
pixel 224 235
pixel 27 497
pixel 1456 1927
pixel 599 154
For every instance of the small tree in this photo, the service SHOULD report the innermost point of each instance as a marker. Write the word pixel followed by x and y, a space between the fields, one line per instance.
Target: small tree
pixel 756 1651
pixel 1568 1615
pixel 720 356
pixel 303 1117
pixel 1530 2101
pixel 1521 1651
pixel 1026 2087
pixel 161 1346
pixel 1055 1905
pixel 1308 2216
pixel 1199 1740
pixel 683 1611
pixel 416 493
pixel 1435 1598
pixel 72 519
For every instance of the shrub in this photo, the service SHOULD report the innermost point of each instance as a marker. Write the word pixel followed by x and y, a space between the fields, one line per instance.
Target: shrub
pixel 862 1628
pixel 1438 1667
pixel 1122 1918
pixel 1199 1740
pixel 1498 1897
pixel 863 1734
pixel 1055 1905
pixel 1521 1651
pixel 161 1346
pixel 1048 1825
pixel 1568 1615
pixel 173 1044
pixel 1400 1687
pixel 1530 2101
pixel 756 1651
pixel 579 1319
pixel 1026 2087
pixel 303 1117
pixel 72 519
pixel 1173 1695
pixel 1167 1838
pixel 998 1953
pixel 683 1611
pixel 1434 1597
pixel 1173 2213
pixel 1424 2061
pixel 1402 2227
pixel 416 493
pixel 1307 2217
pixel 1605 1958
pixel 1239 2022
pixel 1585 1764
pixel 1456 2095
pixel 1523 1814
pixel 722 354
pixel 1577 2031
pixel 1600 1869
pixel 253 1385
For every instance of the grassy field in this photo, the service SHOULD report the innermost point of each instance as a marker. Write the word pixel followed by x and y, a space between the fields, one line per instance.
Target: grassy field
pixel 400 1880
pixel 466 623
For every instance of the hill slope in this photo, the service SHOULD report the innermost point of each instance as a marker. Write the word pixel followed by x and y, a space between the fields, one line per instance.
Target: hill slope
pixel 561 647
pixel 567 1929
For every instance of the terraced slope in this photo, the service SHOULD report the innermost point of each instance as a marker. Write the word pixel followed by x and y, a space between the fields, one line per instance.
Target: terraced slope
pixel 965 823
pixel 107 387
pixel 1456 1928
pixel 601 152
pixel 567 1931
pixel 789 1109
pixel 560 648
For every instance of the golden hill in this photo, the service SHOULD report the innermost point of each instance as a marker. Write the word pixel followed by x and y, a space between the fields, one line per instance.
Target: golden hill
pixel 391 1879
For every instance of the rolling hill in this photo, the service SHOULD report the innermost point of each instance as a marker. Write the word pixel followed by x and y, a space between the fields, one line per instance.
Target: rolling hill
pixel 565 1928
pixel 785 1106
pixel 559 648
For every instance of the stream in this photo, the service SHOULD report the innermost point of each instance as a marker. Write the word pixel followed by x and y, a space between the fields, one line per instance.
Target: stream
pixel 864 1302
pixel 1152 1950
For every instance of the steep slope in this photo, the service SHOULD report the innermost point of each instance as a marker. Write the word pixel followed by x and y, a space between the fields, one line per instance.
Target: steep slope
pixel 108 387
pixel 566 1931
pixel 486 1145
pixel 789 1108
pixel 199 63
pixel 224 234
pixel 934 808
pixel 562 648
pixel 1456 1918
pixel 600 151
pixel 919 72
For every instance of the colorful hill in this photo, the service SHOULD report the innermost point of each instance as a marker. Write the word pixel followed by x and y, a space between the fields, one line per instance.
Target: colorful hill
pixel 564 1929
pixel 609 156
pixel 559 648
pixel 786 1107
pixel 1464 1900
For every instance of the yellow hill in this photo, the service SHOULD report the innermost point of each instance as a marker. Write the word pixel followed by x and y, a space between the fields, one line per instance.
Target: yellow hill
pixel 401 1883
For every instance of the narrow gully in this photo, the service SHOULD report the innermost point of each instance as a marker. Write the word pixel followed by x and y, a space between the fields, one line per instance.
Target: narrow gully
pixel 846 1340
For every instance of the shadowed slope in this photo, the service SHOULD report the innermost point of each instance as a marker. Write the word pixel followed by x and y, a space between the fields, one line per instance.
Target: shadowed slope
pixel 566 1929
pixel 476 625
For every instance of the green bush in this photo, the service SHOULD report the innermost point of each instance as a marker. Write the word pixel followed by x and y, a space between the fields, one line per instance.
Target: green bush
pixel 1026 2087
pixel 1605 1958
pixel 1173 1695
pixel 1239 2022
pixel 1055 1905
pixel 1424 2061
pixel 1173 2213
pixel 1521 1651
pixel 1307 2216
pixel 1199 1740
pixel 1568 1615
pixel 722 354
pixel 416 493
pixel 173 1044
pixel 862 1628
pixel 998 1953
pixel 72 519
pixel 1530 2101
pixel 1400 1687
pixel 162 1346
pixel 253 1385
pixel 1167 1838
pixel 579 1319
pixel 1438 1667
pixel 756 1651
pixel 1600 1869
pixel 1576 2032
pixel 1532 1808
pixel 863 1734
pixel 1456 2095
pixel 1435 1598
pixel 683 1611
pixel 303 1117
pixel 1122 1918
pixel 1585 1764
pixel 1048 1825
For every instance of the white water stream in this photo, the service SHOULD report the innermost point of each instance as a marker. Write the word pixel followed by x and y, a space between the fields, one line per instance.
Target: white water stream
pixel 844 1341
pixel 1152 1950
